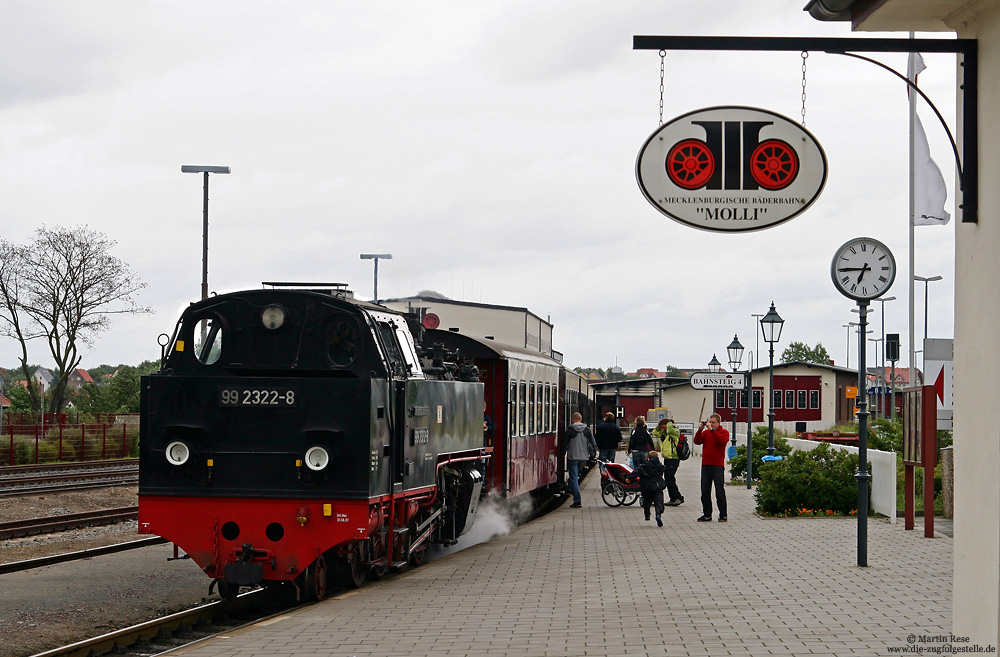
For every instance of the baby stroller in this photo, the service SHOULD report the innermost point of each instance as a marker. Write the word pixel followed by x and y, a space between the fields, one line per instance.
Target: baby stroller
pixel 615 490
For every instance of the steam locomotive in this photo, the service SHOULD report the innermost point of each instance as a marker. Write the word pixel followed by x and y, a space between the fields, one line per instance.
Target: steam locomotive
pixel 294 434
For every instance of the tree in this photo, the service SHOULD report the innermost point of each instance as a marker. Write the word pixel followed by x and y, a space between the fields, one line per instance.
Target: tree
pixel 64 286
pixel 801 352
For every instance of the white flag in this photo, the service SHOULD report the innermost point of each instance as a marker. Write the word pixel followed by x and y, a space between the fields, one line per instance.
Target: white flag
pixel 929 192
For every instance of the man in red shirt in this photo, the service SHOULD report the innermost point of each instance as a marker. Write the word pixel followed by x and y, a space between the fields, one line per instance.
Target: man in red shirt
pixel 713 466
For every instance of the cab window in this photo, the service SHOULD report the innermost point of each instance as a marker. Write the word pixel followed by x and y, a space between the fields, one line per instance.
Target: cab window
pixel 208 340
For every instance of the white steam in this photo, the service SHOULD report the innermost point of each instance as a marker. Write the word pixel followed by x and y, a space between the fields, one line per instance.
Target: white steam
pixel 494 517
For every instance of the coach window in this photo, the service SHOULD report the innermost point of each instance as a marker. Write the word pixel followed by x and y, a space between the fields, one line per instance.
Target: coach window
pixel 789 399
pixel 802 398
pixel 776 398
pixel 522 402
pixel 208 340
pixel 531 408
pixel 538 408
pixel 814 399
pixel 554 411
pixel 545 410
pixel 512 410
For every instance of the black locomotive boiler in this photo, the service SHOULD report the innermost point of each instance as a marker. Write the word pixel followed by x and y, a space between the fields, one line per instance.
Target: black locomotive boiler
pixel 294 432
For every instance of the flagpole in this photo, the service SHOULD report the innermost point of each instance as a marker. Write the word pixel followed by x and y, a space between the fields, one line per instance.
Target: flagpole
pixel 911 74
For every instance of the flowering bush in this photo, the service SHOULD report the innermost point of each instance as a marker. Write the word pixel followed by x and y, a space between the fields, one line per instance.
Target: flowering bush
pixel 809 483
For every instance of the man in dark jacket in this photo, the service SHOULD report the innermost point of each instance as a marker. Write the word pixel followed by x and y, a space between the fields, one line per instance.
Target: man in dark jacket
pixel 651 485
pixel 579 446
pixel 608 435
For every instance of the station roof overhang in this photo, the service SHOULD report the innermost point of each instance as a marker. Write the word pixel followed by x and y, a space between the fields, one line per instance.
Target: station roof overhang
pixel 890 15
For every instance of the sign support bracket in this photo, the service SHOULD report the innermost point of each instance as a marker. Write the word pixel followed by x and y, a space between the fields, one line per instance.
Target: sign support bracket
pixel 967 48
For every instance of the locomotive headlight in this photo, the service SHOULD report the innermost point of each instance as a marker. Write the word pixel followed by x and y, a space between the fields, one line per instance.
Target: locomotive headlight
pixel 178 453
pixel 317 458
pixel 273 317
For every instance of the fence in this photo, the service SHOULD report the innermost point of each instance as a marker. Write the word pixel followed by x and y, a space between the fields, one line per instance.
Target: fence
pixel 883 497
pixel 22 444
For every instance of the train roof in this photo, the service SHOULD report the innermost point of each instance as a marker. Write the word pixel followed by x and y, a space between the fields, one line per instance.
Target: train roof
pixel 484 348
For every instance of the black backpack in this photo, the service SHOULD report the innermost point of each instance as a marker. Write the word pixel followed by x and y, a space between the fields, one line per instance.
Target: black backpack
pixel 683 449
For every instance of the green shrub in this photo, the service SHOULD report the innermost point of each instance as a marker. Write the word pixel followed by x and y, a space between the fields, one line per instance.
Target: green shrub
pixel 885 435
pixel 738 464
pixel 822 479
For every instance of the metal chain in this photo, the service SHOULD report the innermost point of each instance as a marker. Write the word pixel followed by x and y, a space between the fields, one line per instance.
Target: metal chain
pixel 663 56
pixel 805 55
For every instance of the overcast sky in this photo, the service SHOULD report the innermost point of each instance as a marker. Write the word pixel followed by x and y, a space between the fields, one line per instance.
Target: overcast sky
pixel 488 146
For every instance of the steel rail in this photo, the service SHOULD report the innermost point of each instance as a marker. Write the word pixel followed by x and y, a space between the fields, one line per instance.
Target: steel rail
pixel 28 564
pixel 50 524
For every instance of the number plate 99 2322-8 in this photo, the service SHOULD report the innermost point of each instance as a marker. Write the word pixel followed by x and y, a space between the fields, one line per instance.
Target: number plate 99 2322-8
pixel 257 397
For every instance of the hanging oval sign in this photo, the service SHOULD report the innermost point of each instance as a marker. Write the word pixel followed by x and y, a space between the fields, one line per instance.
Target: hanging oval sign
pixel 731 169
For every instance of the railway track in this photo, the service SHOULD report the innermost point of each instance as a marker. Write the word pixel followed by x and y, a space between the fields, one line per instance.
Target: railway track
pixel 47 525
pixel 182 628
pixel 15 470
pixel 80 477
pixel 28 564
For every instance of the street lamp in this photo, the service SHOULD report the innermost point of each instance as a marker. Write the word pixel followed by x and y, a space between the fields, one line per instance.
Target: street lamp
pixel 878 388
pixel 770 326
pixel 376 257
pixel 883 300
pixel 848 327
pixel 735 353
pixel 756 355
pixel 191 168
pixel 714 365
pixel 925 281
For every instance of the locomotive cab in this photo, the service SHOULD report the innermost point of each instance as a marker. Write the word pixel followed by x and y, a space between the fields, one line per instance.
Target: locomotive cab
pixel 294 431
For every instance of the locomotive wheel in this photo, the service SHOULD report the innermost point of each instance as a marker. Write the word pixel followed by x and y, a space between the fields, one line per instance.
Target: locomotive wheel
pixel 353 571
pixel 613 494
pixel 314 579
pixel 631 497
pixel 690 164
pixel 418 557
pixel 774 164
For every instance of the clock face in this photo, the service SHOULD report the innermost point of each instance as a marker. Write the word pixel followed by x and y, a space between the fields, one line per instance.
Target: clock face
pixel 863 269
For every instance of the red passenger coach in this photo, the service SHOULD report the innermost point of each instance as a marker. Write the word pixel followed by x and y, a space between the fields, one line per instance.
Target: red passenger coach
pixel 522 397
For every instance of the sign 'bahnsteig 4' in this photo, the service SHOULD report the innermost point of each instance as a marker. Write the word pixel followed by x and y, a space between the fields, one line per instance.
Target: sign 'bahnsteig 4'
pixel 731 169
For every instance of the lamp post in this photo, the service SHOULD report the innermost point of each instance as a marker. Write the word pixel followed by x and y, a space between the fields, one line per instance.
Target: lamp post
pixel 925 281
pixel 770 326
pixel 376 257
pixel 878 388
pixel 756 355
pixel 192 168
pixel 714 365
pixel 882 300
pixel 735 353
pixel 848 326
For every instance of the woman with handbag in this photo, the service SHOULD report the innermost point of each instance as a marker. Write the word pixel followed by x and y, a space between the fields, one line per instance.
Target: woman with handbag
pixel 665 439
pixel 640 442
pixel 651 485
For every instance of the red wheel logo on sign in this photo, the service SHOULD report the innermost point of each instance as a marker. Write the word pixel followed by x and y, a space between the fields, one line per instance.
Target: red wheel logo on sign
pixel 774 164
pixel 431 321
pixel 690 163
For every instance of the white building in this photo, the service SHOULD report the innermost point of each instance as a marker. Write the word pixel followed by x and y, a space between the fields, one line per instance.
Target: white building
pixel 511 325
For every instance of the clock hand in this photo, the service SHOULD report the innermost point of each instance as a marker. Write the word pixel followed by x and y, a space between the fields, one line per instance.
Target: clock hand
pixel 862 274
pixel 850 269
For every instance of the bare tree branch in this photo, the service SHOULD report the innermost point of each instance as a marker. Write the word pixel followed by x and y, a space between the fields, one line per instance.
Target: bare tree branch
pixel 69 285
